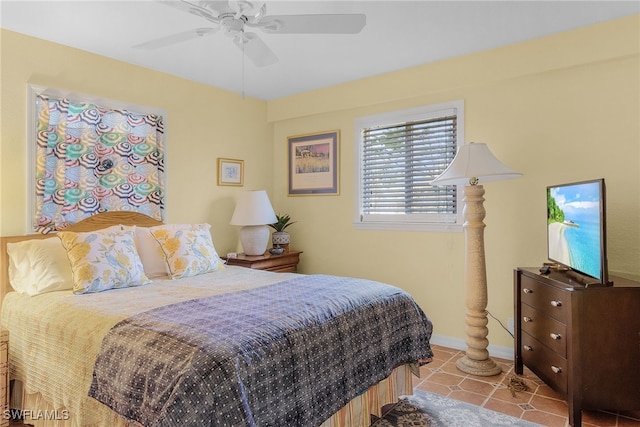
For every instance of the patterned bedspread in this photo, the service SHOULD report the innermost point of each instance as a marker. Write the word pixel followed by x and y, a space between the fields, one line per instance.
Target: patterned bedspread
pixel 287 354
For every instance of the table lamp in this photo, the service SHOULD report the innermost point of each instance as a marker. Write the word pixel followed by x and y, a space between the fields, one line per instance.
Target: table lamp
pixel 475 164
pixel 253 211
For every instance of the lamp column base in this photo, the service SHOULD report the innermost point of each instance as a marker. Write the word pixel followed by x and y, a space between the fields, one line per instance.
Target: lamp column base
pixel 482 368
pixel 476 361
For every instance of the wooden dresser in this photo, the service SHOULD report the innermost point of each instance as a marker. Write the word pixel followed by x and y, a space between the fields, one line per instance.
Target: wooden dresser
pixel 583 341
pixel 287 262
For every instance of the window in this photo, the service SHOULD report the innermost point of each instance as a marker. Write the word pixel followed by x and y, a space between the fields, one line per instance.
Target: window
pixel 398 154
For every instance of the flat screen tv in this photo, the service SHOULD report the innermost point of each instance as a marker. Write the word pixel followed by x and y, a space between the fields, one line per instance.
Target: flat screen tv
pixel 576 228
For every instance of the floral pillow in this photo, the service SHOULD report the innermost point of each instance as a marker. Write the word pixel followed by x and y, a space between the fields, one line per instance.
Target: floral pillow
pixel 188 249
pixel 103 259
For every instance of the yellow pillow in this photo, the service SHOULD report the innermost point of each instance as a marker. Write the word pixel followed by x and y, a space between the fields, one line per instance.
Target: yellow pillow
pixel 188 249
pixel 103 259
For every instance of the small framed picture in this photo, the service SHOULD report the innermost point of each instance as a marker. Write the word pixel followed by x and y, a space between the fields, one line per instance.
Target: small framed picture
pixel 230 172
pixel 313 164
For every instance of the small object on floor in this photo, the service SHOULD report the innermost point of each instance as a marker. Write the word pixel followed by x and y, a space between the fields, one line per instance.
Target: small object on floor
pixel 517 384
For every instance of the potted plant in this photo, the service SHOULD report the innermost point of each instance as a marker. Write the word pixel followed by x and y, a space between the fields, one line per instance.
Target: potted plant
pixel 280 237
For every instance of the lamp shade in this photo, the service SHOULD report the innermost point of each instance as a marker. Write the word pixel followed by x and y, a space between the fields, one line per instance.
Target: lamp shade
pixel 253 208
pixel 473 164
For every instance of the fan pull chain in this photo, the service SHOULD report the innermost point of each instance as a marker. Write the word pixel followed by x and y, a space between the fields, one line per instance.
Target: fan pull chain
pixel 243 56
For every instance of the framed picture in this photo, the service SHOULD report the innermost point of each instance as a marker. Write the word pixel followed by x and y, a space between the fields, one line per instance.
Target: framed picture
pixel 230 172
pixel 313 164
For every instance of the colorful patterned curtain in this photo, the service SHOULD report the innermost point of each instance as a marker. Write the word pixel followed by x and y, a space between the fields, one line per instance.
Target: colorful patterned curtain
pixel 91 159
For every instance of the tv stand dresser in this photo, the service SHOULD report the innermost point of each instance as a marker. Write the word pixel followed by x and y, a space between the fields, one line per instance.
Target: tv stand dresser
pixel 582 340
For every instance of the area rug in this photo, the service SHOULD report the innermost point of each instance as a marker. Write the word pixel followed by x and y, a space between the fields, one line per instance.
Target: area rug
pixel 423 409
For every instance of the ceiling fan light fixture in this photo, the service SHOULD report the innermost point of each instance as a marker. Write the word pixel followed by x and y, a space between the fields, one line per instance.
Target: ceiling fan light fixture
pixel 231 25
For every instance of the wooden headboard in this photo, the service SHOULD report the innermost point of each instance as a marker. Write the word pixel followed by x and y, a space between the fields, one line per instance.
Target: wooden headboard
pixel 95 222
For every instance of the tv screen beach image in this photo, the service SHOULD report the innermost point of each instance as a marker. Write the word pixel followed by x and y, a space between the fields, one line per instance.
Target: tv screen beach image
pixel 573 226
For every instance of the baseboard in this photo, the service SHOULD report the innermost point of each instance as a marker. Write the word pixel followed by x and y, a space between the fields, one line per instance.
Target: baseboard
pixel 459 344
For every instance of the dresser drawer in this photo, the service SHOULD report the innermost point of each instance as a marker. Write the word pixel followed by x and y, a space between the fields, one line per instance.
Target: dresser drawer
pixel 284 269
pixel 545 329
pixel 544 362
pixel 549 300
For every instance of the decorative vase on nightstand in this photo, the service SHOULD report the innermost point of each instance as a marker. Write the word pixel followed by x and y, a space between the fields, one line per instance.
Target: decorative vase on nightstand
pixel 281 238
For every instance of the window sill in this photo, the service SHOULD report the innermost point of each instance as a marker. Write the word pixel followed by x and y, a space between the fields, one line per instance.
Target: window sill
pixel 395 226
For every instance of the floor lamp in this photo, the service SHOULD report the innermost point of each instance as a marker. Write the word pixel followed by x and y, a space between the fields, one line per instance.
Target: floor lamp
pixel 472 165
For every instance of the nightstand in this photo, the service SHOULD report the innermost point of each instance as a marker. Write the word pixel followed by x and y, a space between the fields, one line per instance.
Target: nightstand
pixel 285 263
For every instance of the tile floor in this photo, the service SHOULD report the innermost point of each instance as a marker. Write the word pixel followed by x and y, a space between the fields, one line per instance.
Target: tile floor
pixel 539 405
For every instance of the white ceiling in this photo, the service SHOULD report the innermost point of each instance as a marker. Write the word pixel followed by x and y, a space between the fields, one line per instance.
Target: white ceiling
pixel 397 35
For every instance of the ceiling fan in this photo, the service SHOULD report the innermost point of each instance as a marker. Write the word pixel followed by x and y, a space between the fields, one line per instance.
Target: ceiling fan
pixel 233 17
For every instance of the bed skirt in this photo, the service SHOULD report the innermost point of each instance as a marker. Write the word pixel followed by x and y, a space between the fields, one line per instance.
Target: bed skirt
pixel 356 413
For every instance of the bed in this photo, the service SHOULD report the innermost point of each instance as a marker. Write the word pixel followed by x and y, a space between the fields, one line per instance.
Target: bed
pixel 189 341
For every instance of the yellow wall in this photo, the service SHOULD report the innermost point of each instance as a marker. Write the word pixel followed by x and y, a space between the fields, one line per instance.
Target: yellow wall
pixel 203 123
pixel 558 109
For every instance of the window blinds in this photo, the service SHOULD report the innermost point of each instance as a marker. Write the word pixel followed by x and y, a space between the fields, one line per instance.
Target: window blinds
pixel 399 161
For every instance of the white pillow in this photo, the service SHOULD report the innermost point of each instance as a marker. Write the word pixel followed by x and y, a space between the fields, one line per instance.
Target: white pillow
pixel 38 266
pixel 151 254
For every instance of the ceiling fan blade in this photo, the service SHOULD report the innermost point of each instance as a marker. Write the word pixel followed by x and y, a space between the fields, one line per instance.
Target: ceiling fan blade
pixel 313 24
pixel 197 8
pixel 176 38
pixel 249 9
pixel 255 49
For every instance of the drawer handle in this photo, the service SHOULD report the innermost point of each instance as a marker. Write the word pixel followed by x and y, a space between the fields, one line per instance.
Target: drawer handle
pixel 527 291
pixel 555 336
pixel 556 303
pixel 556 369
pixel 527 319
pixel 528 348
